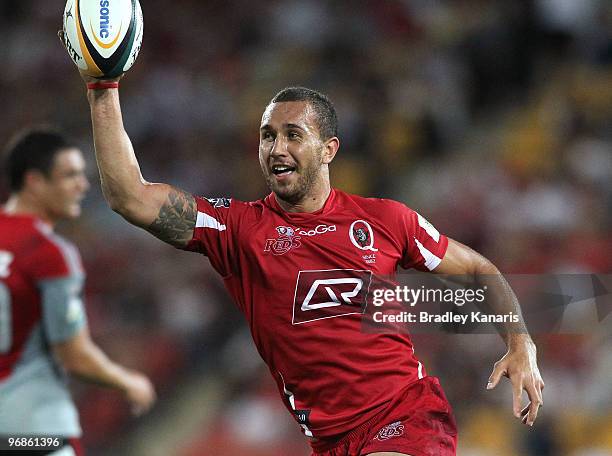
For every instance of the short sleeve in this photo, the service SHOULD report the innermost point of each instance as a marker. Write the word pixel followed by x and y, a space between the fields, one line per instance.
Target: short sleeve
pixel 51 256
pixel 424 246
pixel 63 312
pixel 213 230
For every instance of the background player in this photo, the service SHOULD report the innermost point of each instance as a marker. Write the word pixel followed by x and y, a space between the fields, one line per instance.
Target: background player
pixel 43 326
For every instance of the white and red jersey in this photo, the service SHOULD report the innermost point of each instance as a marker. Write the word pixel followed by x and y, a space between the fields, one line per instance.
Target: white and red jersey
pixel 41 278
pixel 302 280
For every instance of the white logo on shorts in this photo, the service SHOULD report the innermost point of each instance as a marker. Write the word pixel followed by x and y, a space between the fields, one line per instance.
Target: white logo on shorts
pixel 391 430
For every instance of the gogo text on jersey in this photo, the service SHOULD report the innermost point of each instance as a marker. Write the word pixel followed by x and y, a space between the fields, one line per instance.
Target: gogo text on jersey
pixel 320 229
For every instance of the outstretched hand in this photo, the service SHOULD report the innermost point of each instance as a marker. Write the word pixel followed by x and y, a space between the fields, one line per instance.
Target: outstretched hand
pixel 85 76
pixel 139 392
pixel 520 365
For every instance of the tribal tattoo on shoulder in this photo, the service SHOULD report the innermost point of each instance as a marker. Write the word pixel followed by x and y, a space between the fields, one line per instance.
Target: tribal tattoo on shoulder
pixel 176 219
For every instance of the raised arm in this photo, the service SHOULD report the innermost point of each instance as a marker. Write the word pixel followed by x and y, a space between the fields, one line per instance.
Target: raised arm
pixel 163 210
pixel 519 364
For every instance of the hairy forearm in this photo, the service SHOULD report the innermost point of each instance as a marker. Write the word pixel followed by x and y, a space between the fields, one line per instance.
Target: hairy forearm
pixel 165 211
pixel 119 170
pixel 464 265
pixel 500 300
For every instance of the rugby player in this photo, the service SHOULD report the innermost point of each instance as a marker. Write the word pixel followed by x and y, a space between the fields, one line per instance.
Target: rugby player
pixel 43 325
pixel 353 393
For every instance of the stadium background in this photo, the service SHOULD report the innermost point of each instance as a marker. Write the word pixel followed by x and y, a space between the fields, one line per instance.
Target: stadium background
pixel 492 118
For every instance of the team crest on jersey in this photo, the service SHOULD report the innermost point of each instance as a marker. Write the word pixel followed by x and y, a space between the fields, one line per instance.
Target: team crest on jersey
pixel 361 235
pixel 285 241
pixel 391 430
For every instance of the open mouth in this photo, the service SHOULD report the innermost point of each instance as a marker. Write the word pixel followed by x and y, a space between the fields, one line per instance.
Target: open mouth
pixel 282 170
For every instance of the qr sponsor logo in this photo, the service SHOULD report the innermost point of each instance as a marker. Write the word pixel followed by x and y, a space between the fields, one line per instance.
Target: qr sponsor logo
pixel 322 294
pixel 391 430
pixel 220 202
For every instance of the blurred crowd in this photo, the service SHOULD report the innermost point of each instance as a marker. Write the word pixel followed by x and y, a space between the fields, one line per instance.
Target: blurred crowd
pixel 492 118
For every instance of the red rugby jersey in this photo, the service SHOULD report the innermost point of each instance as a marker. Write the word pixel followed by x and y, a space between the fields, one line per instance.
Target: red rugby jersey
pixel 301 279
pixel 30 252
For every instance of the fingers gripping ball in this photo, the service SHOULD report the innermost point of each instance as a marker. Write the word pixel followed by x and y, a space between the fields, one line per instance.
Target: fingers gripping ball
pixel 103 37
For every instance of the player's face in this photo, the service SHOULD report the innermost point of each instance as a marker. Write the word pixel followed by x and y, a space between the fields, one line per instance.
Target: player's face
pixel 66 185
pixel 290 149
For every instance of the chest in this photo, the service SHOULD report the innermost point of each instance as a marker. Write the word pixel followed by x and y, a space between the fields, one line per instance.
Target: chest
pixel 324 268
pixel 280 247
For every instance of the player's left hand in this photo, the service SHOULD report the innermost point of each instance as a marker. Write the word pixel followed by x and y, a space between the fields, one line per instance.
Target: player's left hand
pixel 520 365
pixel 139 392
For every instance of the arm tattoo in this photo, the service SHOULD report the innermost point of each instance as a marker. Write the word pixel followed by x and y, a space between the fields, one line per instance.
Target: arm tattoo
pixel 176 219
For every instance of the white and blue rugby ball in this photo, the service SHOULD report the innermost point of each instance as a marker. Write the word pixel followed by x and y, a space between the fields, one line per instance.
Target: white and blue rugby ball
pixel 103 37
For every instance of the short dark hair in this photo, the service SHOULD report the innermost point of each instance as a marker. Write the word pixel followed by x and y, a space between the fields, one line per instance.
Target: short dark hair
pixel 327 121
pixel 33 149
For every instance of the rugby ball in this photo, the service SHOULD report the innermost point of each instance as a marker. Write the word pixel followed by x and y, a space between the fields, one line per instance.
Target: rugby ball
pixel 103 37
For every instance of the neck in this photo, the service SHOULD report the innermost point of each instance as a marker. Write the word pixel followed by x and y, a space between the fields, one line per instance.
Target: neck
pixel 312 202
pixel 21 204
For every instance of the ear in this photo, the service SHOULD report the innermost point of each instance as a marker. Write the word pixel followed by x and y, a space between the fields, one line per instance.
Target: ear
pixel 331 148
pixel 34 180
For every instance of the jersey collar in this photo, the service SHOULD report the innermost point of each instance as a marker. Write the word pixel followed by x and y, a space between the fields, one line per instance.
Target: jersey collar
pixel 303 216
